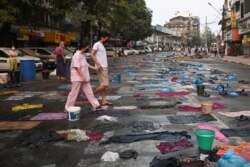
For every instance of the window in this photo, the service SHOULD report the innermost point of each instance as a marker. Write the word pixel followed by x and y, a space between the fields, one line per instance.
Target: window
pixel 43 52
pixel 3 54
pixel 247 6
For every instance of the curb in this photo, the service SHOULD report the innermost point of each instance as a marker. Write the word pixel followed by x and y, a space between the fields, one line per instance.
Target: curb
pixel 234 61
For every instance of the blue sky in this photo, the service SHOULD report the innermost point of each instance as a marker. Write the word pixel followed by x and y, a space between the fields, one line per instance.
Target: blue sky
pixel 163 10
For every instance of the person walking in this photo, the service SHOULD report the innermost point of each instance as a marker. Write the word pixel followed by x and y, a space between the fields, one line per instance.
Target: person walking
pixel 99 56
pixel 80 78
pixel 60 62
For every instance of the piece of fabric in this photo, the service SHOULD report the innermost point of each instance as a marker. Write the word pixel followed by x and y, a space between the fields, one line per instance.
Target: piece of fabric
pixel 140 126
pixel 111 98
pixel 165 162
pixel 124 107
pixel 242 150
pixel 167 147
pixel 218 135
pixel 87 89
pixel 236 132
pixel 93 136
pixel 26 106
pixel 235 114
pixel 50 116
pixel 159 104
pixel 103 76
pixel 101 54
pixel 170 94
pixel 167 136
pixel 22 125
pixel 79 61
pixel 76 134
pixel 192 108
pixel 127 154
pixel 186 119
pixel 38 139
pixel 106 118
pixel 105 127
pixel 110 156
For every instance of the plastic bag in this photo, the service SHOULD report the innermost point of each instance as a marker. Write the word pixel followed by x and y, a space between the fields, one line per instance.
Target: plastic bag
pixel 229 159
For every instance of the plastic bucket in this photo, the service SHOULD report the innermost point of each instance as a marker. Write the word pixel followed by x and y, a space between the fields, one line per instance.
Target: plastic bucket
pixel 117 78
pixel 205 139
pixel 28 70
pixel 206 107
pixel 200 90
pixel 73 113
pixel 3 78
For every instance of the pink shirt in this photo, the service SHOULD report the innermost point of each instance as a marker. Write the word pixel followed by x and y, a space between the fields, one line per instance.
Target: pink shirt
pixel 58 51
pixel 79 61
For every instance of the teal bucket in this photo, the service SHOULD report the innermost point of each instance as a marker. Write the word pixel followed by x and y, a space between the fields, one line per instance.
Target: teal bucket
pixel 205 139
pixel 117 78
pixel 28 70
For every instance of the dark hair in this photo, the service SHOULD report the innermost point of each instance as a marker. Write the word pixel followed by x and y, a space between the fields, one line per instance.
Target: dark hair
pixel 104 34
pixel 84 44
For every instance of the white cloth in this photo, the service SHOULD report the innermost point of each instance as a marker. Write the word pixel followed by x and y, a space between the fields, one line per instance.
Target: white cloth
pixel 101 54
pixel 235 114
pixel 110 156
pixel 125 108
pixel 107 118
pixel 77 134
pixel 111 98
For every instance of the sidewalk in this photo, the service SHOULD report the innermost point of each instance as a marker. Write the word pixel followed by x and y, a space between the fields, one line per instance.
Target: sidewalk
pixel 237 59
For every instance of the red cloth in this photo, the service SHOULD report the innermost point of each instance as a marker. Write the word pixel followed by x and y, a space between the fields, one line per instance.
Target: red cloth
pixel 94 135
pixel 191 108
pixel 169 94
pixel 166 147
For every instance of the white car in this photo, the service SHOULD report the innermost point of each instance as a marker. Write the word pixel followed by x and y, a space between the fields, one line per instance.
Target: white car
pixel 5 59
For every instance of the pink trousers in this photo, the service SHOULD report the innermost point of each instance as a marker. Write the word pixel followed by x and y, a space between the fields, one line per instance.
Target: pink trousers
pixel 87 89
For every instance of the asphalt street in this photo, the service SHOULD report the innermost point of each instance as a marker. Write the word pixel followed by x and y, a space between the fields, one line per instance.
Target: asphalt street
pixel 134 99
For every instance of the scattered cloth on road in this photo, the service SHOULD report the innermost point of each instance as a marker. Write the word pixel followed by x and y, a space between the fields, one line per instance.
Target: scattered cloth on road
pixel 105 127
pixel 94 136
pixel 9 92
pixel 218 135
pixel 50 116
pixel 74 134
pixel 106 118
pixel 167 147
pixel 110 156
pixel 235 114
pixel 242 150
pixel 23 95
pixel 170 94
pixel 167 136
pixel 236 132
pixel 26 106
pixel 186 119
pixel 165 162
pixel 127 154
pixel 39 139
pixel 140 126
pixel 159 104
pixel 22 125
pixel 191 108
pixel 111 98
pixel 124 107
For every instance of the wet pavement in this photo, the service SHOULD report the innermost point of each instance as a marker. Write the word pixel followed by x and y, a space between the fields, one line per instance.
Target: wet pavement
pixel 152 89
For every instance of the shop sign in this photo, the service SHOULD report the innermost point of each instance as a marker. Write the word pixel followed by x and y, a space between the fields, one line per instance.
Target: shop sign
pixel 228 36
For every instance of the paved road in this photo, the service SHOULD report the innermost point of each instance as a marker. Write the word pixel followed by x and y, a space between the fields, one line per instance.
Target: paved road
pixel 140 74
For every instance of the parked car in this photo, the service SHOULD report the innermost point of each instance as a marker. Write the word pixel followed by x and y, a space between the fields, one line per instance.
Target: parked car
pixel 111 51
pixel 128 51
pixel 5 59
pixel 147 49
pixel 46 56
pixel 68 54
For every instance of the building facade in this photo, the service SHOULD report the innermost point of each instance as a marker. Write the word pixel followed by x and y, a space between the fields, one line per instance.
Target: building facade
pixel 185 24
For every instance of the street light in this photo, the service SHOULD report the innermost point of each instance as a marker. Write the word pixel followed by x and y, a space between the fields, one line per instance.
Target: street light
pixel 214 8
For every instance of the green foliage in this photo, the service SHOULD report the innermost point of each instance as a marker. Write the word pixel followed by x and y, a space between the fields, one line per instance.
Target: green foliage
pixel 8 11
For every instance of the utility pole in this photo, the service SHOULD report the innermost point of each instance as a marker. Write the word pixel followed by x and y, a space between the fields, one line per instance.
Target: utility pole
pixel 206 33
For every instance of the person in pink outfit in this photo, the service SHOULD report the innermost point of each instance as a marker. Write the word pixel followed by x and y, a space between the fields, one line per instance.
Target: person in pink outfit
pixel 80 79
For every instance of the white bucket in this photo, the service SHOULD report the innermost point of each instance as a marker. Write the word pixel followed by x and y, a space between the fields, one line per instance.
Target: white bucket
pixel 73 113
pixel 3 78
